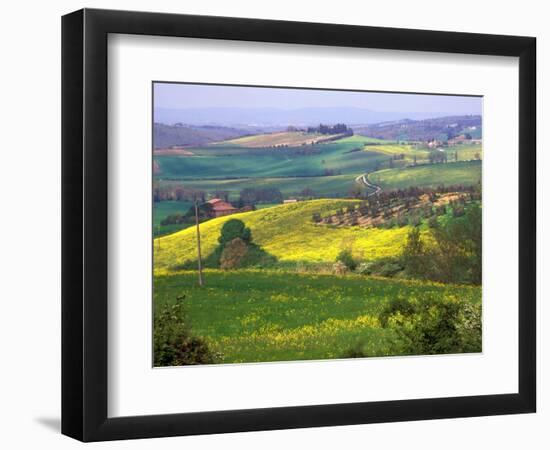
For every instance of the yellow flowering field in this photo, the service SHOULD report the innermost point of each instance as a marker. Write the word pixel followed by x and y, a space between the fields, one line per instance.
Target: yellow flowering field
pixel 287 232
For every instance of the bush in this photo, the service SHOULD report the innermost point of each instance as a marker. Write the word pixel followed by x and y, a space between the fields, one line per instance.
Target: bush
pixel 173 343
pixel 387 267
pixel 346 258
pixel 430 326
pixel 390 269
pixel 316 218
pixel 365 269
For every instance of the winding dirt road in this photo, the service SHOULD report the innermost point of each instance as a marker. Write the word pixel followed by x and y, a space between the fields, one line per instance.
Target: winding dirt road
pixel 363 180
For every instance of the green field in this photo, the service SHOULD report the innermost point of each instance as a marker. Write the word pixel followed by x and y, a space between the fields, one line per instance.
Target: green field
pixel 163 209
pixel 219 162
pixel 288 233
pixel 250 316
pixel 429 175
pixel 466 152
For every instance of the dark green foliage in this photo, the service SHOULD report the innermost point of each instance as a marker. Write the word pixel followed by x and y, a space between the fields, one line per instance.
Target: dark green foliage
pixel 431 326
pixel 456 255
pixel 339 128
pixel 316 218
pixel 346 258
pixel 384 267
pixel 414 254
pixel 173 343
pixel 357 351
pixel 398 305
pixel 390 269
pixel 232 229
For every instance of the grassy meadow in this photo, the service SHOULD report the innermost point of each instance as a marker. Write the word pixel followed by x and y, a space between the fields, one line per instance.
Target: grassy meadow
pixel 432 175
pixel 268 315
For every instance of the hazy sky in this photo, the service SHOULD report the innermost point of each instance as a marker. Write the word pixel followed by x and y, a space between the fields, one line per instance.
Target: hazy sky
pixel 183 96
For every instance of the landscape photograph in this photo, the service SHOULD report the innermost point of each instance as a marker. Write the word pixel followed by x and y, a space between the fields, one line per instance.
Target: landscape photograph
pixel 295 224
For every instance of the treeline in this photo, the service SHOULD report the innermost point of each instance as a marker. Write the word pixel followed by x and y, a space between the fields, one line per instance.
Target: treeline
pixel 177 192
pixel 250 196
pixel 339 128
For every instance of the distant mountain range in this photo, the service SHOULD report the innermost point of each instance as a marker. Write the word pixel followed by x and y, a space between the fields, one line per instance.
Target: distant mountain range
pixel 175 135
pixel 274 117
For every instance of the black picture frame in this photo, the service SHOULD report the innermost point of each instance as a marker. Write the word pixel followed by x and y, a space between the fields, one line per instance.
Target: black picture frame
pixel 84 224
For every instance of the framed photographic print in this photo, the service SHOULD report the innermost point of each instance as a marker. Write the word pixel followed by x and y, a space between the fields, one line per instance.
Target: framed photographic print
pixel 274 224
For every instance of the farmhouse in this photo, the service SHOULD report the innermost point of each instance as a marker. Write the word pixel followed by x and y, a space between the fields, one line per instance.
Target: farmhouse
pixel 221 208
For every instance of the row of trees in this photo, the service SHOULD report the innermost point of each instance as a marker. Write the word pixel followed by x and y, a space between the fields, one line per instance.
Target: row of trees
pixel 339 128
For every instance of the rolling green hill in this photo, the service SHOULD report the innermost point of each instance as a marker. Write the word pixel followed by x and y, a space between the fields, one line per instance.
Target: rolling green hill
pixel 218 162
pixel 430 175
pixel 288 233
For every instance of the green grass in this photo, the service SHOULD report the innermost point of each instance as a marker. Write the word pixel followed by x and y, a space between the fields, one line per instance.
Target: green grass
pixel 288 233
pixel 163 209
pixel 251 316
pixel 430 175
pixel 466 152
pixel 408 150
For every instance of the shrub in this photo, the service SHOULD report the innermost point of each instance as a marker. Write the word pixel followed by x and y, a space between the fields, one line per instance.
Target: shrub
pixel 346 258
pixel 316 217
pixel 173 343
pixel 390 269
pixel 365 268
pixel 430 326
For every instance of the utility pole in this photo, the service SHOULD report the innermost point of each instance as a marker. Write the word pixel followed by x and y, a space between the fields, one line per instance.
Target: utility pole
pixel 201 282
pixel 158 237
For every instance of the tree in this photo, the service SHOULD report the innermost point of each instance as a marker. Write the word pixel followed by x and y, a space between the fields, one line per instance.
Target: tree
pixel 233 229
pixel 414 253
pixel 345 257
pixel 316 217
